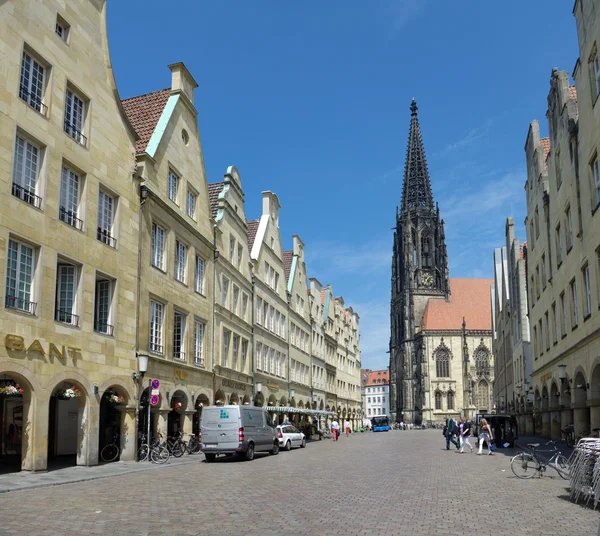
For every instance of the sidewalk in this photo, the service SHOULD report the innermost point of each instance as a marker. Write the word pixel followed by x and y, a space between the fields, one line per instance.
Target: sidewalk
pixel 524 440
pixel 27 480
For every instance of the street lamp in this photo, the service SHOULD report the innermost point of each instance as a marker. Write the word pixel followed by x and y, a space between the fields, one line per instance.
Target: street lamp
pixel 562 373
pixel 142 366
pixel 292 393
pixel 258 387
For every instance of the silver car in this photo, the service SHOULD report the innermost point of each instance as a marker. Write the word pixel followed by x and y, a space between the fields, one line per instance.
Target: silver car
pixel 289 436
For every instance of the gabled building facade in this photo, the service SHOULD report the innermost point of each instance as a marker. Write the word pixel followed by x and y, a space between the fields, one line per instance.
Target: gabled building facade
pixel 377 393
pixel 176 253
pixel 320 373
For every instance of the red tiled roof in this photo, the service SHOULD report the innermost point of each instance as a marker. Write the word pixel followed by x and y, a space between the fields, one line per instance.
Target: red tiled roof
pixel 378 377
pixel 144 112
pixel 252 230
pixel 573 92
pixel 287 263
pixel 213 195
pixel 469 298
pixel 546 146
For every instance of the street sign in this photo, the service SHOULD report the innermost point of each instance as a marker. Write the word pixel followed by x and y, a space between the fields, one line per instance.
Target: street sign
pixel 154 400
pixel 155 392
pixel 155 384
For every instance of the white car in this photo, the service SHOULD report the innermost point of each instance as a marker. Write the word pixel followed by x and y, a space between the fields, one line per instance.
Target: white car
pixel 289 436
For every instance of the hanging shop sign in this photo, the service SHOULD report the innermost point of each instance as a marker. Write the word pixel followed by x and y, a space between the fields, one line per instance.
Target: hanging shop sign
pixel 17 348
pixel 233 384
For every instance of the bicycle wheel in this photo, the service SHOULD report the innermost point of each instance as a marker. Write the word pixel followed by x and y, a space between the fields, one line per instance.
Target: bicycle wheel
pixel 524 465
pixel 561 464
pixel 177 449
pixel 194 447
pixel 143 453
pixel 159 454
pixel 109 453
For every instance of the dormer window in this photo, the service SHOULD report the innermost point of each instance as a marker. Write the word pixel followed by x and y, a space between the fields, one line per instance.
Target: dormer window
pixel 62 29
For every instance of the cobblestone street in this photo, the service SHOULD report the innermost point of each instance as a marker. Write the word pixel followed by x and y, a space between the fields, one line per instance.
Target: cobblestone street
pixel 368 484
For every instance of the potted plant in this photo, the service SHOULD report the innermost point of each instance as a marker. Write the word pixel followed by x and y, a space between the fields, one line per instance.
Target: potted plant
pixel 114 399
pixel 68 393
pixel 176 406
pixel 11 390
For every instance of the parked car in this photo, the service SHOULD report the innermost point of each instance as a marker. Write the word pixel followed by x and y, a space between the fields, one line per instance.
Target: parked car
pixel 504 427
pixel 239 430
pixel 289 436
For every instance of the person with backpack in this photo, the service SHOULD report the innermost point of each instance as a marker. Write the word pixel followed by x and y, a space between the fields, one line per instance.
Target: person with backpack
pixel 464 428
pixel 450 430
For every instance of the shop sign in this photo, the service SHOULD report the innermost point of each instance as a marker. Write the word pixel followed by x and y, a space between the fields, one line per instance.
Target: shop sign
pixel 237 386
pixel 35 350
pixel 546 377
pixel 179 374
pixel 273 387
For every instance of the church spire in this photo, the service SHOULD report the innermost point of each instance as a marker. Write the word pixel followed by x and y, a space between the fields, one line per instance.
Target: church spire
pixel 416 190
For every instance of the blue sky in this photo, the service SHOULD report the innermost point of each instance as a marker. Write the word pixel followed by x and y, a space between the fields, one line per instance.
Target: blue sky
pixel 311 100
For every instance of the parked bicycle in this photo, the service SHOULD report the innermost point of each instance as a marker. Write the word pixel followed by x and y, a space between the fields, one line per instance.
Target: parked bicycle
pixel 529 463
pixel 193 445
pixel 111 451
pixel 157 452
pixel 176 445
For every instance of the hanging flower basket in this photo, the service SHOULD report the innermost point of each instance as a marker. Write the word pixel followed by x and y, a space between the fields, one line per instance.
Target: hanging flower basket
pixel 176 406
pixel 220 403
pixel 114 399
pixel 68 394
pixel 11 390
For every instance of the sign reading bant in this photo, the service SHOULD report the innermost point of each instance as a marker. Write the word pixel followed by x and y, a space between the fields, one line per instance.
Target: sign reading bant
pixel 233 385
pixel 546 377
pixel 35 350
pixel 179 374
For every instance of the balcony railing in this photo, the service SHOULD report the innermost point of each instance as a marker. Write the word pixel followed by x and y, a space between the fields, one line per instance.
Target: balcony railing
pixel 67 317
pixel 106 238
pixel 26 195
pixel 156 348
pixel 179 356
pixel 69 217
pixel 34 101
pixel 13 302
pixel 198 360
pixel 77 135
pixel 100 327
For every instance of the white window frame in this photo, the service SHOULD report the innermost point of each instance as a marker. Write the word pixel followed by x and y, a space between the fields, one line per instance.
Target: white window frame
pixel 277 364
pixel 67 281
pixel 159 237
pixel 559 246
pixel 259 356
pixel 26 171
pixel 20 277
pixel 266 273
pixel 569 217
pixel 75 109
pixel 103 296
pixel 588 290
pixel 240 255
pixel 235 298
pixel 180 261
pixel 200 274
pixel 243 354
pixel 199 331
pixel 107 206
pixel 258 310
pixel 32 82
pixel 235 348
pixel 265 358
pixel 224 291
pixel 173 181
pixel 225 342
pixel 244 309
pixel 156 327
pixel 575 312
pixel 231 248
pixel 179 325
pixel 596 73
pixel 596 179
pixel 191 205
pixel 71 185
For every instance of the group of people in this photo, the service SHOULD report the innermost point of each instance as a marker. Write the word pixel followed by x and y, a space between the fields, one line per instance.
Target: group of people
pixel 464 430
pixel 335 429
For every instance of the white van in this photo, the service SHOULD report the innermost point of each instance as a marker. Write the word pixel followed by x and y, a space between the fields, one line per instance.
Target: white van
pixel 241 430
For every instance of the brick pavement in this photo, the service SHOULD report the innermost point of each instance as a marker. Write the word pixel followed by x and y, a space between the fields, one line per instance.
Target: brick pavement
pixel 393 483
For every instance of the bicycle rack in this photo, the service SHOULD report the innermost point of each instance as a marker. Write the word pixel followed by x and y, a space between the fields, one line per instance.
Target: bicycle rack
pixel 585 471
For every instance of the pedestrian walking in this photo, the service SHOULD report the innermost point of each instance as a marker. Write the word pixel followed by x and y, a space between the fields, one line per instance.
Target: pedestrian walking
pixel 464 429
pixel 347 427
pixel 450 431
pixel 335 429
pixel 485 434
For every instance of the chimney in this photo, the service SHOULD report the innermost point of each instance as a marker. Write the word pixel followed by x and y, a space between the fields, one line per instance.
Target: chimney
pixel 271 206
pixel 182 81
pixel 298 247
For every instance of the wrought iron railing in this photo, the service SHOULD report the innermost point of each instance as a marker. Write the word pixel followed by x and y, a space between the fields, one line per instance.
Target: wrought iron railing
pixel 68 216
pixel 198 360
pixel 156 348
pixel 33 100
pixel 26 195
pixel 67 317
pixel 179 356
pixel 106 238
pixel 100 327
pixel 14 302
pixel 76 134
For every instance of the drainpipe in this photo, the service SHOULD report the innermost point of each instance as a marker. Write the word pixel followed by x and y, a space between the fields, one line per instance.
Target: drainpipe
pixel 143 196
pixel 212 357
pixel 253 360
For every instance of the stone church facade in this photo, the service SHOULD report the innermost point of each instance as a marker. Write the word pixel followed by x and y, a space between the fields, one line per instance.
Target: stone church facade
pixel 441 333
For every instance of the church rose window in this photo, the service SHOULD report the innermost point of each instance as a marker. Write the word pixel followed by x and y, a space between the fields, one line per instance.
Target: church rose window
pixel 442 365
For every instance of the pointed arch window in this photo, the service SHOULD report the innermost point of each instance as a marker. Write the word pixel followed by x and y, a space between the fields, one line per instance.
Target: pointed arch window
pixel 438 400
pixel 425 250
pixel 450 400
pixel 482 361
pixel 483 395
pixel 442 364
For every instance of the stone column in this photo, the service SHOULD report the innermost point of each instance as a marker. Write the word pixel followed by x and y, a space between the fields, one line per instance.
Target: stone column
pixel 594 417
pixel 162 422
pixel 88 423
pixel 128 433
pixel 566 418
pixel 555 425
pixel 581 420
pixel 35 433
pixel 188 423
pixel 545 431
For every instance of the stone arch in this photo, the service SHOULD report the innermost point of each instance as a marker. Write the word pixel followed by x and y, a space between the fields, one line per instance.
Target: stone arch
pixel 246 400
pixel 579 388
pixel 272 400
pixel 119 387
pixel 201 399
pixel 554 396
pixel 220 397
pixel 442 363
pixel 112 422
pixel 442 347
pixel 301 404
pixel 259 399
pixel 595 383
pixel 545 398
pixel 438 400
pixel 182 392
pixel 450 399
pixel 481 357
pixel 283 401
pixel 234 399
pixel 72 377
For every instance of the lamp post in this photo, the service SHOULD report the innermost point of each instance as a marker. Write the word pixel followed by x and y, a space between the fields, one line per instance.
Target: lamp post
pixel 137 377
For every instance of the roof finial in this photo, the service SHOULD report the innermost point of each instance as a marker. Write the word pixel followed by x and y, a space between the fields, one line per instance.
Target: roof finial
pixel 413 107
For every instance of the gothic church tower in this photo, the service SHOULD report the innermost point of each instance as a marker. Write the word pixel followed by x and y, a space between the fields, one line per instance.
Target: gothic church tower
pixel 419 272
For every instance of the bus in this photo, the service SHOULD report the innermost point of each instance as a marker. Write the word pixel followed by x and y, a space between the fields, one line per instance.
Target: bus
pixel 380 424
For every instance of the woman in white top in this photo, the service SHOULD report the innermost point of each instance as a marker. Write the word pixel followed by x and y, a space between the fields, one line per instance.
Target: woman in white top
pixel 485 434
